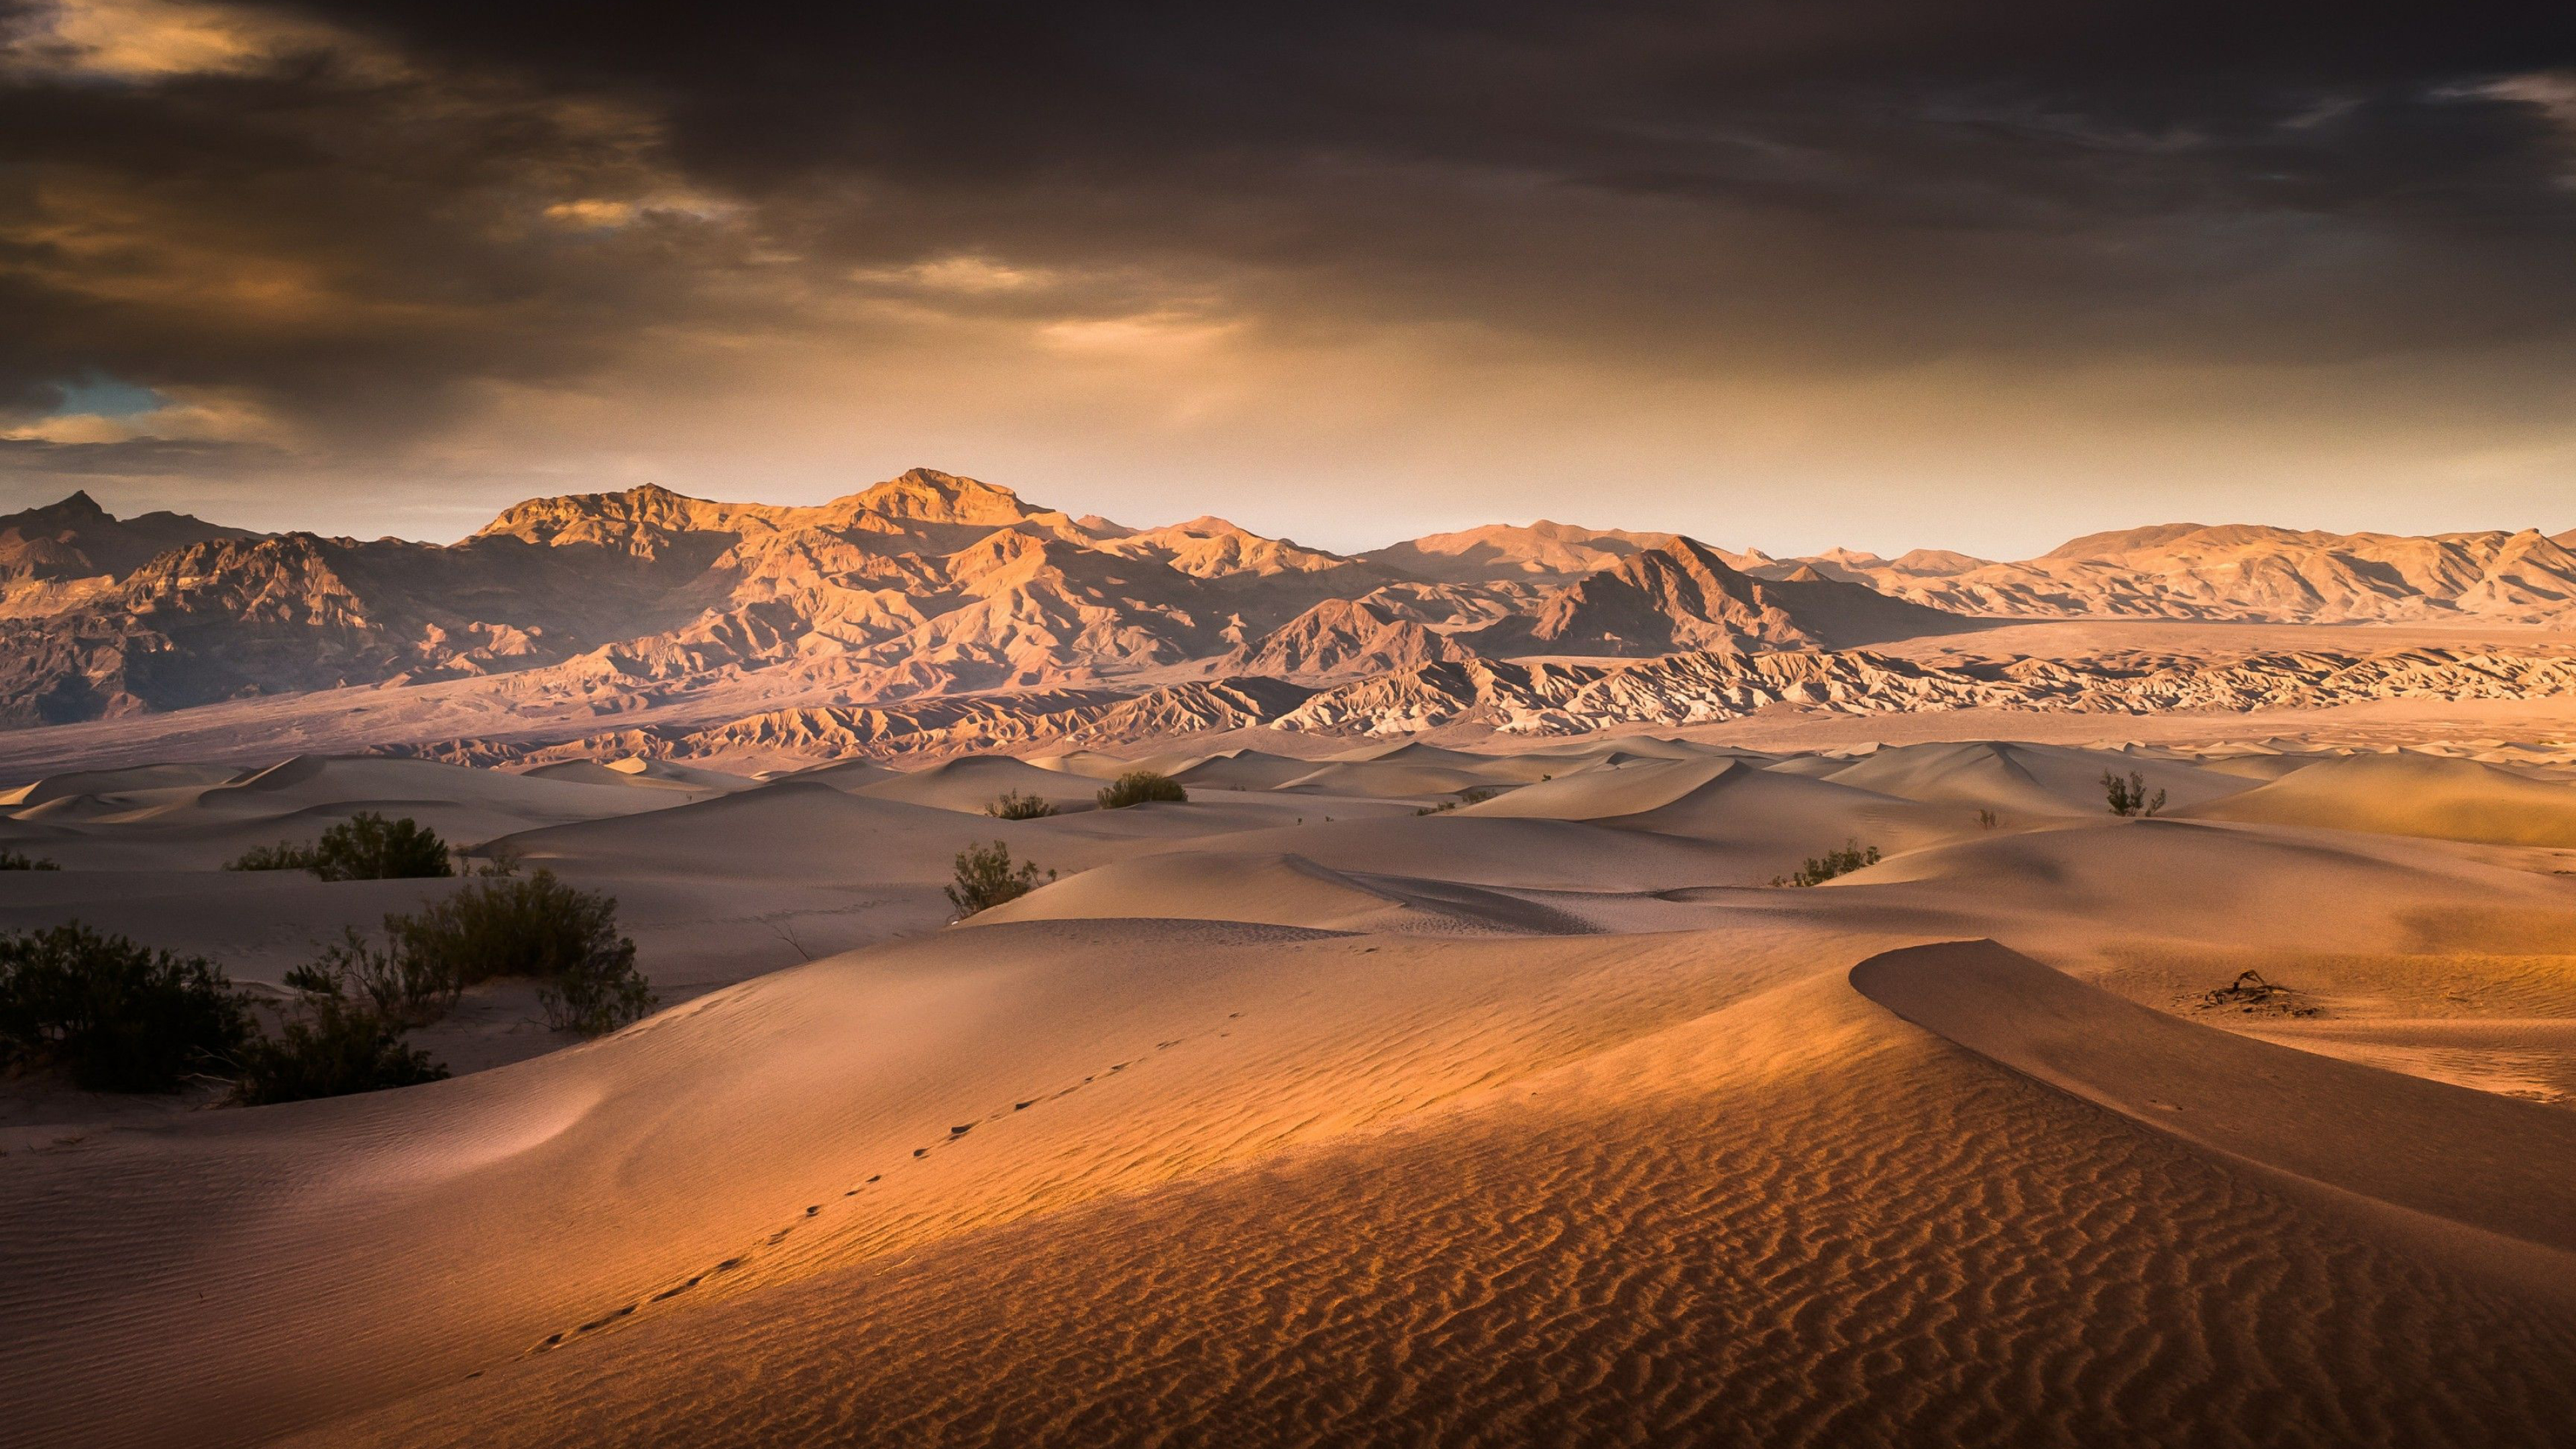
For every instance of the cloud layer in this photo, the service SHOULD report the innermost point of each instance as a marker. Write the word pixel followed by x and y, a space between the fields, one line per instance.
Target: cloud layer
pixel 1883 273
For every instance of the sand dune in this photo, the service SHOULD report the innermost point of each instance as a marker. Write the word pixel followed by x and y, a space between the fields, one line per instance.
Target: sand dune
pixel 840 775
pixel 2265 767
pixel 2025 780
pixel 1532 1121
pixel 976 781
pixel 1272 889
pixel 1768 822
pixel 194 825
pixel 1755 1223
pixel 2494 1196
pixel 1532 855
pixel 643 774
pixel 1393 779
pixel 2412 795
pixel 1242 770
pixel 108 783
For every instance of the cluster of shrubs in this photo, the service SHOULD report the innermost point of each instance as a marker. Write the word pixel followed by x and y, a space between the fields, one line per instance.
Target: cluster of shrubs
pixel 20 860
pixel 1822 868
pixel 1012 805
pixel 114 1016
pixel 986 876
pixel 366 846
pixel 1137 787
pixel 1476 795
pixel 2129 796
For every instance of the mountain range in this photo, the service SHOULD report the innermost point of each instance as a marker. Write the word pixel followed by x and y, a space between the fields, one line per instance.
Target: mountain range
pixel 932 586
pixel 927 584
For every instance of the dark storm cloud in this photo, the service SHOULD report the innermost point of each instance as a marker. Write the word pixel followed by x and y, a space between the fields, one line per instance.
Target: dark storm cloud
pixel 337 226
pixel 1650 162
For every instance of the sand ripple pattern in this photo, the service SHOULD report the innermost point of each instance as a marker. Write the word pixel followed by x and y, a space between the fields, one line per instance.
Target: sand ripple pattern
pixel 1796 1221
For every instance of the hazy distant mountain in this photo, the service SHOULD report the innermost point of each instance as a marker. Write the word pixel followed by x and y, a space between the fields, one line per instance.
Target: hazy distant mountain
pixel 55 556
pixel 933 586
pixel 1500 551
pixel 2248 572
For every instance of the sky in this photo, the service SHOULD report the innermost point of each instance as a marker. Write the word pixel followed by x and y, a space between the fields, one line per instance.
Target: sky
pixel 1883 275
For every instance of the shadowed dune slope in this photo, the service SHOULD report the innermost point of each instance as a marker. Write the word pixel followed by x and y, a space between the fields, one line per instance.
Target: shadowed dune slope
pixel 2078 885
pixel 1243 770
pixel 2024 779
pixel 2412 795
pixel 976 781
pixel 840 774
pixel 1394 779
pixel 1513 854
pixel 1759 814
pixel 116 782
pixel 2480 1179
pixel 643 773
pixel 1270 889
pixel 196 825
pixel 786 828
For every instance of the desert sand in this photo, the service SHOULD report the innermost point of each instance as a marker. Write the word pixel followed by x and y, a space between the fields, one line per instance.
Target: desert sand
pixel 1310 1111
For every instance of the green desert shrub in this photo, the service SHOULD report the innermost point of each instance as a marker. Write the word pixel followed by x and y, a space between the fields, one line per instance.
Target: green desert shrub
pixel 20 860
pixel 534 926
pixel 404 987
pixel 986 877
pixel 331 1045
pixel 1015 806
pixel 366 846
pixel 284 855
pixel 1822 868
pixel 112 1015
pixel 1139 786
pixel 497 858
pixel 1477 795
pixel 2129 796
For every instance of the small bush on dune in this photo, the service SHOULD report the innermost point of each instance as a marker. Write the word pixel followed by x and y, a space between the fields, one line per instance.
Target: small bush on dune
pixel 1476 795
pixel 1015 806
pixel 496 859
pixel 331 1045
pixel 1136 787
pixel 284 855
pixel 598 997
pixel 367 846
pixel 986 877
pixel 403 987
pixel 534 926
pixel 19 860
pixel 1822 868
pixel 111 1015
pixel 2129 796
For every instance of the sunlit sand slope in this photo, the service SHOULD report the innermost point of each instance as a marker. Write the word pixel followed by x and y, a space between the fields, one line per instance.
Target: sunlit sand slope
pixel 1793 1219
pixel 2412 795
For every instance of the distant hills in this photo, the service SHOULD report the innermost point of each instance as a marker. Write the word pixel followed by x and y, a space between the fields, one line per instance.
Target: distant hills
pixel 927 584
pixel 2246 572
pixel 934 586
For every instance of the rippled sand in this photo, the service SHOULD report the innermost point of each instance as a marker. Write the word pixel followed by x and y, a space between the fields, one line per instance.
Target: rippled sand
pixel 1533 1123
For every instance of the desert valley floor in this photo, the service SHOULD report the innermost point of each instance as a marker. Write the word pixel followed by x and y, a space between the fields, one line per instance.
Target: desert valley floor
pixel 1383 1092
